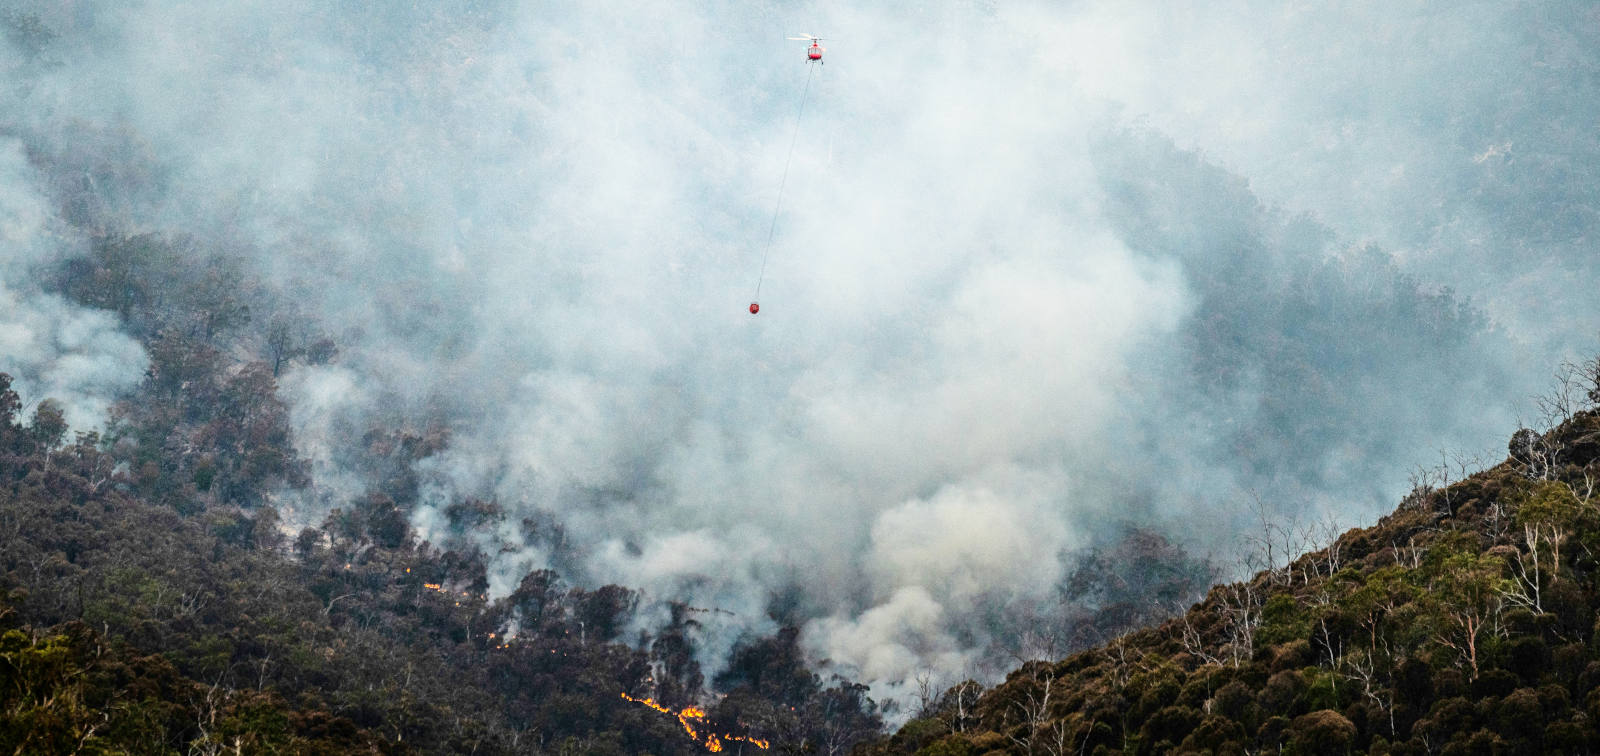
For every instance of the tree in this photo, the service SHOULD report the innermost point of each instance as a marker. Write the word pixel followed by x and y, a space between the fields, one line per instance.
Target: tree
pixel 292 336
pixel 601 613
pixel 1379 593
pixel 9 402
pixel 1322 732
pixel 958 706
pixel 1464 592
pixel 1031 706
pixel 49 425
pixel 1545 516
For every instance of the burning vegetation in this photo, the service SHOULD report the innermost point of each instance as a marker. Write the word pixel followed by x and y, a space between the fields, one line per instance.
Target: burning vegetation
pixel 688 716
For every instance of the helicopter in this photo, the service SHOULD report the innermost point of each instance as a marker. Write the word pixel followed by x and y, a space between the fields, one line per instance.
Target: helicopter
pixel 814 52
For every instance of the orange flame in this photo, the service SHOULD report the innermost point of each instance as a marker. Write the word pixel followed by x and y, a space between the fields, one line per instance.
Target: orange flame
pixel 712 741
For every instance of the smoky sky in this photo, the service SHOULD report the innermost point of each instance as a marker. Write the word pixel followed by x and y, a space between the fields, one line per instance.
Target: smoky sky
pixel 1042 271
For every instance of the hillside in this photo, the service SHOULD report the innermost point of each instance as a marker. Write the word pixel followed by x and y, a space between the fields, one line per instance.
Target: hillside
pixel 389 377
pixel 154 600
pixel 1463 622
pixel 143 620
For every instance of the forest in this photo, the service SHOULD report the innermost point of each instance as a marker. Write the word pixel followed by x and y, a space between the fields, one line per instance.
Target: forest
pixel 155 603
pixel 380 379
pixel 1464 622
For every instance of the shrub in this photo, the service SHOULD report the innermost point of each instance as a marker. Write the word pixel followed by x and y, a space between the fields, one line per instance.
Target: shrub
pixel 1281 692
pixel 1213 733
pixel 1324 731
pixel 1172 723
pixel 1520 714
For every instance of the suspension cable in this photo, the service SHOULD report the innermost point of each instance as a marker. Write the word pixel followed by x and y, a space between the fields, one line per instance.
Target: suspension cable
pixel 772 231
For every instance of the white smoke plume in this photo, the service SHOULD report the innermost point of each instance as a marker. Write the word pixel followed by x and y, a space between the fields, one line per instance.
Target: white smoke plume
pixel 1015 300
pixel 50 347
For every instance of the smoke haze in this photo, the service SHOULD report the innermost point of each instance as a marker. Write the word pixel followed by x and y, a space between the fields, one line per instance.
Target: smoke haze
pixel 49 346
pixel 1041 272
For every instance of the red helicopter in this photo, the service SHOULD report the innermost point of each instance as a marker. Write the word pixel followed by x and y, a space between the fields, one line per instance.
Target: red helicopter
pixel 814 52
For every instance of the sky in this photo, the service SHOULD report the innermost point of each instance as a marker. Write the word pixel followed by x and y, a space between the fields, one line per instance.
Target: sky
pixel 1041 271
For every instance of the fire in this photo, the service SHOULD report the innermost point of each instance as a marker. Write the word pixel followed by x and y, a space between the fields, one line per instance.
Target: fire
pixel 467 594
pixel 712 741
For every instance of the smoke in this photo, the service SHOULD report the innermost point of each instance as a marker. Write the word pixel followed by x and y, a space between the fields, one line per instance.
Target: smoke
pixel 1456 136
pixel 1040 272
pixel 50 347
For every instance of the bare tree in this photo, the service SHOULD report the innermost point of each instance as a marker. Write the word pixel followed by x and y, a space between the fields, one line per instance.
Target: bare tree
pixel 1360 668
pixel 1038 643
pixel 1495 520
pixel 1589 374
pixel 292 336
pixel 1122 665
pixel 1536 451
pixel 284 341
pixel 1273 547
pixel 1241 610
pixel 1425 481
pixel 958 705
pixel 210 707
pixel 1410 553
pixel 1193 643
pixel 1333 647
pixel 1576 388
pixel 1058 738
pixel 1034 711
pixel 1523 588
pixel 1583 490
pixel 1325 539
pixel 1545 518
pixel 927 693
pixel 1535 455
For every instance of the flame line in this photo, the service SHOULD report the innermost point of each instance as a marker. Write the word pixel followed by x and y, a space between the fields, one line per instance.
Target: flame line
pixel 712 741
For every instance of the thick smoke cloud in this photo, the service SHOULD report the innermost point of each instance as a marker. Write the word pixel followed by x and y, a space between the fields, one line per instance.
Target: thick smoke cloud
pixel 1040 273
pixel 50 347
pixel 1459 137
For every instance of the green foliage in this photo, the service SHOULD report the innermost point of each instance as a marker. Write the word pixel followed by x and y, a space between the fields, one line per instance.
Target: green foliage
pixel 1321 733
pixel 75 693
pixel 948 746
pixel 1415 645
pixel 1326 690
pixel 362 642
pixel 209 636
pixel 1283 619
pixel 1547 503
